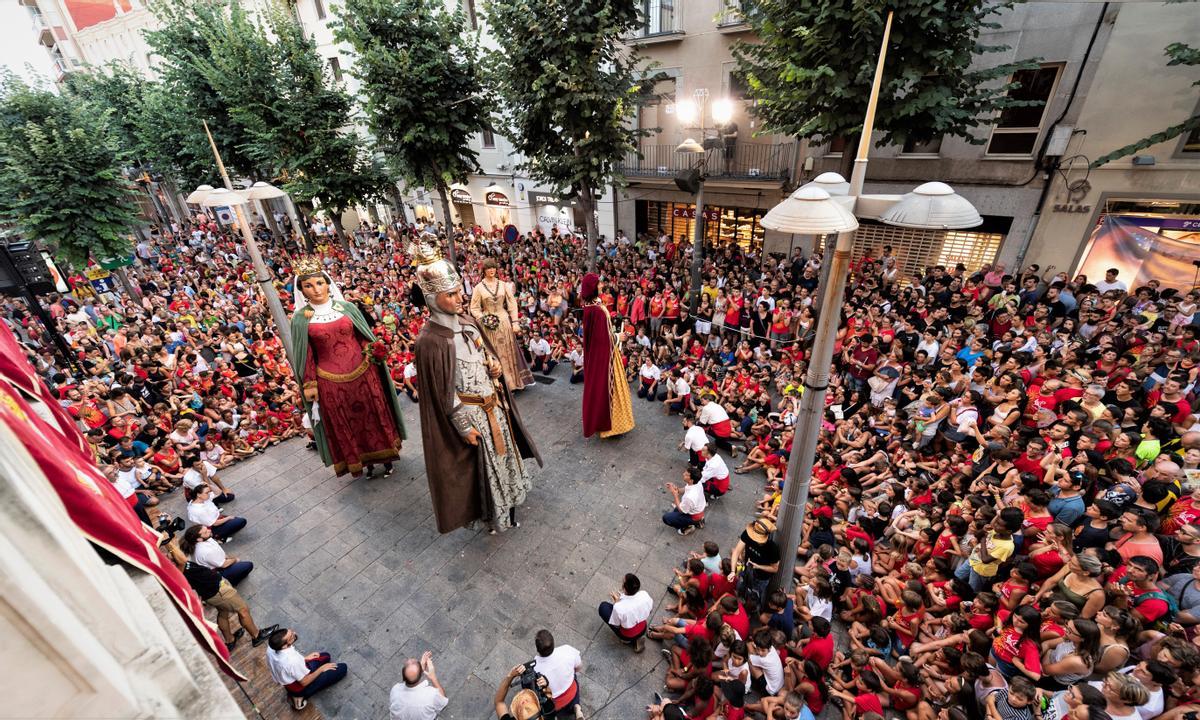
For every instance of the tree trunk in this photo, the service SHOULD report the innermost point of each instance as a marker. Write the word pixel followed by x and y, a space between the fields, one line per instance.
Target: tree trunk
pixel 849 152
pixel 129 288
pixel 397 205
pixel 335 219
pixel 587 204
pixel 444 199
pixel 304 210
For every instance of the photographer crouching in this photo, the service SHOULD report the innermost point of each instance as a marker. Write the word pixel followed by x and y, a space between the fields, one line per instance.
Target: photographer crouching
pixel 549 688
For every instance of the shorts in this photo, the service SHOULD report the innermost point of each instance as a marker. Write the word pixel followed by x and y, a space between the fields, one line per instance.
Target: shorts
pixel 227 599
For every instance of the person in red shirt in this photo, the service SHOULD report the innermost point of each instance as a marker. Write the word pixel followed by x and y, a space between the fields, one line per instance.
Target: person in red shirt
pixel 1148 603
pixel 819 648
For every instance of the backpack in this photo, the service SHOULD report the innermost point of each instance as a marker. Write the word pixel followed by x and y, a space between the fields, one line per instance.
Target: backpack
pixel 1172 607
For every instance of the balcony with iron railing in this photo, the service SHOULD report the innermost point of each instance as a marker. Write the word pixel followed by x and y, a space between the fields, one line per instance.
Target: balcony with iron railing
pixel 732 17
pixel 661 22
pixel 738 161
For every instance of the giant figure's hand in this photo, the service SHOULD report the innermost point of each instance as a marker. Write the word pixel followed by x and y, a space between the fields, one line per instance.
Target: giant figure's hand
pixel 310 394
pixel 472 437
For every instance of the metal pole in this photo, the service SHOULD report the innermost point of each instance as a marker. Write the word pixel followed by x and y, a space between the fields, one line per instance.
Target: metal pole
pixel 808 420
pixel 697 249
pixel 858 176
pixel 282 327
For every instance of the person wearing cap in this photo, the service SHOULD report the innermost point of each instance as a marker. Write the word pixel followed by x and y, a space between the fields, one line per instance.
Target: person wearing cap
pixel 756 556
pixel 525 704
pixel 629 612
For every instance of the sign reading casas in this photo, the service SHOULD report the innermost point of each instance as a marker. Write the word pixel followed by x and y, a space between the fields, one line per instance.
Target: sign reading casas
pixel 460 196
pixel 494 197
pixel 690 212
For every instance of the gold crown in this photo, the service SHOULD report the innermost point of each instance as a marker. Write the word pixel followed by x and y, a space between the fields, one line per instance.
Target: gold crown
pixel 425 250
pixel 309 265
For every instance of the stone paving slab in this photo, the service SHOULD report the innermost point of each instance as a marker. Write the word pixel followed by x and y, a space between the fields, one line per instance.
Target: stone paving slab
pixel 358 568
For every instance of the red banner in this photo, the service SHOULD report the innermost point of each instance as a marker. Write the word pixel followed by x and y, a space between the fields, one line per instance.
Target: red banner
pixel 94 505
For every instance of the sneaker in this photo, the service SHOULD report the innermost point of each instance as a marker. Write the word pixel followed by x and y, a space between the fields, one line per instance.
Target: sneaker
pixel 658 699
pixel 578 713
pixel 640 644
pixel 299 703
pixel 666 654
pixel 688 530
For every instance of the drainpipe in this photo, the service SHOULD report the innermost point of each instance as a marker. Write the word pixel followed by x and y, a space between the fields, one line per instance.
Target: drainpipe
pixel 1052 166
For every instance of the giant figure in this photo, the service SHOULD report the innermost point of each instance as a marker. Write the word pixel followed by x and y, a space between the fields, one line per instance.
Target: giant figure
pixel 475 443
pixel 348 396
pixel 494 306
pixel 606 405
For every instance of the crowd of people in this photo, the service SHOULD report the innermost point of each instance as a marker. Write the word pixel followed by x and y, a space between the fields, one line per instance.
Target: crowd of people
pixel 1004 516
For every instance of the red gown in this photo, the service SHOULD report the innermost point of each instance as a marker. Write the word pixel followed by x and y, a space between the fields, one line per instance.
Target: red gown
pixel 355 411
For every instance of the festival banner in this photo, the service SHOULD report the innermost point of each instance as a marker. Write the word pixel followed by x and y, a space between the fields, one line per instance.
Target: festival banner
pixel 93 504
pixel 1139 255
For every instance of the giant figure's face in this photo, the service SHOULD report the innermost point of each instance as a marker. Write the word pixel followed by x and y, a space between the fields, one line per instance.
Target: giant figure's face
pixel 450 302
pixel 315 289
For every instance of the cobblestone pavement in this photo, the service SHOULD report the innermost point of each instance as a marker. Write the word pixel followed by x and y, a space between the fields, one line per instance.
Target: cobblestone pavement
pixel 358 568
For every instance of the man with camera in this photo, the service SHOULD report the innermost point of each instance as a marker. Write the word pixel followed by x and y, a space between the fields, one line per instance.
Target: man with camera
pixel 532 701
pixel 420 696
pixel 559 665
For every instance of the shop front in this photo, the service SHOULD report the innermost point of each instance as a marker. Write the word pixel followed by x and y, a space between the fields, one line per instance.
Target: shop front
pixel 723 226
pixel 1144 239
pixel 464 205
pixel 553 212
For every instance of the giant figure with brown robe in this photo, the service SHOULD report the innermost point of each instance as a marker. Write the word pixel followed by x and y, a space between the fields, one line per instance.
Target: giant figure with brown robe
pixel 475 443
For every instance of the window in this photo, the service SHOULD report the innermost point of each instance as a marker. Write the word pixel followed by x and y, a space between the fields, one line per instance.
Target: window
pixel 930 147
pixel 1016 130
pixel 319 5
pixel 837 145
pixel 739 89
pixel 335 65
pixel 489 139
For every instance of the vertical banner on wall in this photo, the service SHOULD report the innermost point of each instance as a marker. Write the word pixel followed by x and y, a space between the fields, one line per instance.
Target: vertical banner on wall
pixel 1140 255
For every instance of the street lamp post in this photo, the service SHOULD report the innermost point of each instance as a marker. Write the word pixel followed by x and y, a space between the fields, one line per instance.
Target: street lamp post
pixel 227 196
pixel 688 111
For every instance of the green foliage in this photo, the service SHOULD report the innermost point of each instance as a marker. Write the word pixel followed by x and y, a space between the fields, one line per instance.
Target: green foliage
pixel 421 88
pixel 60 174
pixel 812 72
pixel 1179 54
pixel 269 100
pixel 569 86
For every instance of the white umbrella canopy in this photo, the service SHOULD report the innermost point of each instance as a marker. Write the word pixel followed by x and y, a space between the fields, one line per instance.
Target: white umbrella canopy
pixel 830 182
pixel 223 196
pixel 935 206
pixel 263 191
pixel 810 211
pixel 197 196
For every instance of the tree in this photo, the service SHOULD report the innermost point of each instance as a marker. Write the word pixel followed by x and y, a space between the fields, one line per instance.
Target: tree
pixel 1179 54
pixel 261 85
pixel 60 174
pixel 422 92
pixel 569 86
pixel 811 72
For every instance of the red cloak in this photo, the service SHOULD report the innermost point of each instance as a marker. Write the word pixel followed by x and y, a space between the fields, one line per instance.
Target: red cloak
pixel 597 359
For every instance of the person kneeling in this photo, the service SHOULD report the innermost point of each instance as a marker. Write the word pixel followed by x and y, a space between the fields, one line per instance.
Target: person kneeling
pixel 301 675
pixel 628 613
pixel 688 512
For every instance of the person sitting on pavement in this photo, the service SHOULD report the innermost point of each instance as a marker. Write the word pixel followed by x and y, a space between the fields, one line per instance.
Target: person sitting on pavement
pixel 629 612
pixel 689 504
pixel 301 675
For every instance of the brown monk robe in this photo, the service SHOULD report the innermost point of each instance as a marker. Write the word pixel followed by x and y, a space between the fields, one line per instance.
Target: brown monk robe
pixel 455 468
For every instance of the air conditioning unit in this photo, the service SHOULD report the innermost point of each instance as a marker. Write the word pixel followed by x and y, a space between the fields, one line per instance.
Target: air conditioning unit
pixel 754 172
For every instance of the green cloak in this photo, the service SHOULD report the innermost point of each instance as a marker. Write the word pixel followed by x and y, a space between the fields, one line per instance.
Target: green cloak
pixel 300 352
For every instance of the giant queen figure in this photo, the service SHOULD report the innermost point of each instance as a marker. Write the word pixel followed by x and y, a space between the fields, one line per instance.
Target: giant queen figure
pixel 475 443
pixel 606 406
pixel 348 396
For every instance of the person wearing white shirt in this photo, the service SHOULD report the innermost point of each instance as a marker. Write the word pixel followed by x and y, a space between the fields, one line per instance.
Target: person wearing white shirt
pixel 1110 282
pixel 301 675
pixel 679 394
pixel 559 665
pixel 204 549
pixel 715 474
pixel 199 472
pixel 576 359
pixel 540 350
pixel 690 503
pixel 715 419
pixel 650 375
pixel 628 614
pixel 420 696
pixel 203 511
pixel 694 440
pixel 410 380
pixel 766 669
